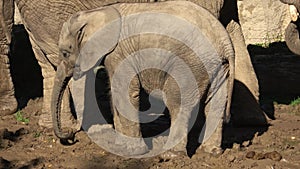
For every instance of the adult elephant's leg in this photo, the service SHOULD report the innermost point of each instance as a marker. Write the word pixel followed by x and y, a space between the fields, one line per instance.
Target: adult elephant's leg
pixel 48 73
pixel 245 106
pixel 8 102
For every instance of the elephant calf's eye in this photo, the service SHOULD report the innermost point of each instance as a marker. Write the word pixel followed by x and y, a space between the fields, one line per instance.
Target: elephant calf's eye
pixel 65 54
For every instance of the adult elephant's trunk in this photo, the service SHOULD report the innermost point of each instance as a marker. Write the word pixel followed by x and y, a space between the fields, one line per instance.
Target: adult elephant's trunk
pixel 292 2
pixel 292 37
pixel 63 75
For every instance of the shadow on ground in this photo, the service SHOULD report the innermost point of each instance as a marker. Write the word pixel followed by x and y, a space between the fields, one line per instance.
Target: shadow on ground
pixel 14 164
pixel 278 73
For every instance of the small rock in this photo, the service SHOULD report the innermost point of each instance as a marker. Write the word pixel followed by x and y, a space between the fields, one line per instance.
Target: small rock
pixel 236 146
pixel 240 157
pixel 274 155
pixel 231 158
pixel 4 144
pixel 259 156
pixel 256 139
pixel 250 154
pixel 168 155
pixel 255 156
pixel 246 143
pixel 254 165
pixel 226 152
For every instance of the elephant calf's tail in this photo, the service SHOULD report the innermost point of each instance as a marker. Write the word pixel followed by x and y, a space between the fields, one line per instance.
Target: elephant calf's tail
pixel 230 84
pixel 230 60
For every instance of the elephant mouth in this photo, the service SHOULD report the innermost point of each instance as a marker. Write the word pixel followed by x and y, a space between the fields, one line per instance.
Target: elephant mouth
pixel 77 73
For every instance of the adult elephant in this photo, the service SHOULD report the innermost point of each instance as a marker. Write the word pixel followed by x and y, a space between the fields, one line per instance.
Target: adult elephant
pixel 292 31
pixel 173 57
pixel 43 20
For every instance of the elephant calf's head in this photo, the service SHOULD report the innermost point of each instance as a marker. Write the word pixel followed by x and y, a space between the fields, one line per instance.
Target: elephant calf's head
pixel 84 39
pixel 70 39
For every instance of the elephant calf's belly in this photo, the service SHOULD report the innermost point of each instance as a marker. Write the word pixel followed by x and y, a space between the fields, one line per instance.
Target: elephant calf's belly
pixel 151 79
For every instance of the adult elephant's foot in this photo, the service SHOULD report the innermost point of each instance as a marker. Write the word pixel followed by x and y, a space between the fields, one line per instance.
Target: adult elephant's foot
pixel 246 111
pixel 67 119
pixel 8 102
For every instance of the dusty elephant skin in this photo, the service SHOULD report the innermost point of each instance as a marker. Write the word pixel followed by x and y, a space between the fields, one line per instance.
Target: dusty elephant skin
pixel 158 60
pixel 292 31
pixel 8 103
pixel 44 34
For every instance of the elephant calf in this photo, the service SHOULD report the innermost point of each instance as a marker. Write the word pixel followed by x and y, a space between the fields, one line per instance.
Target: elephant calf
pixel 175 51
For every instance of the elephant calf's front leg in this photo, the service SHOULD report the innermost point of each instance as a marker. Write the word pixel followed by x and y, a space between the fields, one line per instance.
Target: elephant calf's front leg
pixel 126 120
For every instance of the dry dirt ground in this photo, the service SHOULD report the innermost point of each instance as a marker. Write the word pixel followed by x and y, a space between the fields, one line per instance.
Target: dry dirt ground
pixel 27 145
pixel 30 146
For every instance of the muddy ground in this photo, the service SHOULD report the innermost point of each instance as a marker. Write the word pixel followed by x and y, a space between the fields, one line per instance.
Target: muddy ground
pixel 24 144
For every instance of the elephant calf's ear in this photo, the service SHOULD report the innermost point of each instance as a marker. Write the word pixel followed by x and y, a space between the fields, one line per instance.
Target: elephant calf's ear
pixel 80 34
pixel 102 40
pixel 77 26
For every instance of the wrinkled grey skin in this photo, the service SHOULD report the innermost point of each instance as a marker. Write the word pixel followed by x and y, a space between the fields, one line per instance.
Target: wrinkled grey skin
pixel 43 20
pixel 44 35
pixel 80 27
pixel 292 31
pixel 8 103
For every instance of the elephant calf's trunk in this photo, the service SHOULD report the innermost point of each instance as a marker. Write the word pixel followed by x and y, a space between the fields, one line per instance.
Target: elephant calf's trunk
pixel 60 84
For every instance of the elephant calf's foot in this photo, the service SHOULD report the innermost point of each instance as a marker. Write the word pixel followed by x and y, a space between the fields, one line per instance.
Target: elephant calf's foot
pixel 107 137
pixel 212 149
pixel 130 146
